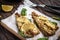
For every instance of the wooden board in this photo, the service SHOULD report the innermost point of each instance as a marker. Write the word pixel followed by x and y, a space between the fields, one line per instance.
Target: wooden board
pixel 13 32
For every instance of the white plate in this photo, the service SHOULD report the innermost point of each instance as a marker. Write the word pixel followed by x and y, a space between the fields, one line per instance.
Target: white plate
pixel 11 22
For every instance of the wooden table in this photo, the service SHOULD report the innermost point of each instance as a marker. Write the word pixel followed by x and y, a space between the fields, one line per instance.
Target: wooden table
pixel 5 34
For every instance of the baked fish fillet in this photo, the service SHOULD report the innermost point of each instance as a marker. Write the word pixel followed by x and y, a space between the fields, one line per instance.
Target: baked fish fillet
pixel 47 27
pixel 24 25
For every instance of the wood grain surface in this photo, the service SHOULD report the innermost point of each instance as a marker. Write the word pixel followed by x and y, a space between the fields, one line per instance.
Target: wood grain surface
pixel 5 34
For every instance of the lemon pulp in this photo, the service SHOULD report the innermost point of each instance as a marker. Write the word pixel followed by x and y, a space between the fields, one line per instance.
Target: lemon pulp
pixel 7 8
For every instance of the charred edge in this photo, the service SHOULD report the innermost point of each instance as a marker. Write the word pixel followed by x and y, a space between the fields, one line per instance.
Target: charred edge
pixel 17 14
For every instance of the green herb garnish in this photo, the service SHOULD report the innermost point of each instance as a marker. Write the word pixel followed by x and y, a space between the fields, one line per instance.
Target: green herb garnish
pixel 56 18
pixel 53 22
pixel 23 12
pixel 21 33
pixel 42 38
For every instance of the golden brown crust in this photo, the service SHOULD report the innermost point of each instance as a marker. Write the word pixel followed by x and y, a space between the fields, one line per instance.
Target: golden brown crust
pixel 46 28
pixel 26 26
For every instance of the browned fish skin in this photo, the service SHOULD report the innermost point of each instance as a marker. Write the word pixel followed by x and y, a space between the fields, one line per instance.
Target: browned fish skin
pixel 46 29
pixel 24 25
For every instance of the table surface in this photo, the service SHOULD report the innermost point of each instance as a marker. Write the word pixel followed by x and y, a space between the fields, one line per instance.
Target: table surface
pixel 5 34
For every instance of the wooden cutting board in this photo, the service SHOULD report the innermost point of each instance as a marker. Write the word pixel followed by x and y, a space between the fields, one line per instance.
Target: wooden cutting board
pixel 5 15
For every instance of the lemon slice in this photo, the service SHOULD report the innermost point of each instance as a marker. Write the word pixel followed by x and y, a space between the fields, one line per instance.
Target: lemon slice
pixel 31 27
pixel 27 26
pixel 7 8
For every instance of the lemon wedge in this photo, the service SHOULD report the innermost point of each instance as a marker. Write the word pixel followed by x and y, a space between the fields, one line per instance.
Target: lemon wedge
pixel 7 8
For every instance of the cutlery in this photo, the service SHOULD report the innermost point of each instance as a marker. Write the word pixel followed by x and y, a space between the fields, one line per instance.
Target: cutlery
pixel 50 7
pixel 40 5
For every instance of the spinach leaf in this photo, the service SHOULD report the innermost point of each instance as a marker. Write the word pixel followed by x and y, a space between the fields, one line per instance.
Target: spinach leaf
pixel 53 22
pixel 23 12
pixel 42 38
pixel 21 33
